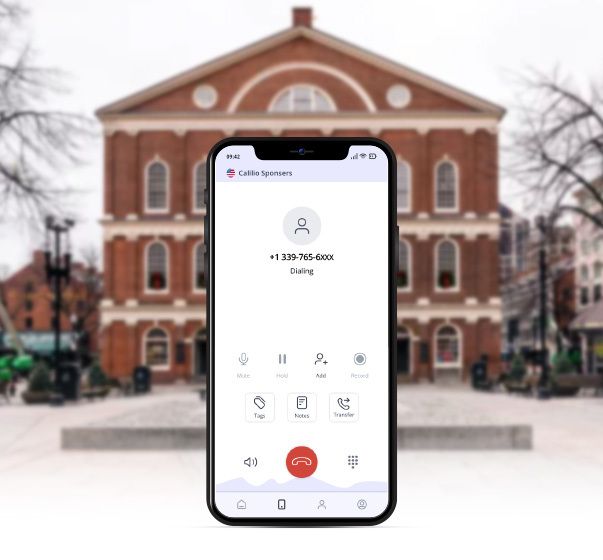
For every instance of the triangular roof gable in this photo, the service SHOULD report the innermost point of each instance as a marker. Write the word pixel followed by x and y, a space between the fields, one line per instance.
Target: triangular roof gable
pixel 196 73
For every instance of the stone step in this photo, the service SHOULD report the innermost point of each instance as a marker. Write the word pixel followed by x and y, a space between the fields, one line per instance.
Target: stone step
pixel 411 438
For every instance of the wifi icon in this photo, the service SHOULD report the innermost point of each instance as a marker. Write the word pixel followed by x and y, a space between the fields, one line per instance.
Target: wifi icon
pixel 362 156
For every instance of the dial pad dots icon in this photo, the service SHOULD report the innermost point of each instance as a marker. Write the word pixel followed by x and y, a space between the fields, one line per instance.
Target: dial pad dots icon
pixel 352 461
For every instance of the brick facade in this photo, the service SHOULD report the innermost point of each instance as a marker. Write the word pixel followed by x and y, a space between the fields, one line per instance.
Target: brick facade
pixel 163 123
pixel 29 300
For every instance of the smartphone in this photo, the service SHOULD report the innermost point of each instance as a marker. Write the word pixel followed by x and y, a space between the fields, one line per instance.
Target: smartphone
pixel 301 243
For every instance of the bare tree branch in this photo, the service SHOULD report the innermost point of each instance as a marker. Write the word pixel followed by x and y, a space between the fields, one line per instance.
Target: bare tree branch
pixel 35 141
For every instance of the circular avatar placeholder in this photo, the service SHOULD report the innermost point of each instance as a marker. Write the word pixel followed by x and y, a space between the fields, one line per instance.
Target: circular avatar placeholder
pixel 301 462
pixel 301 225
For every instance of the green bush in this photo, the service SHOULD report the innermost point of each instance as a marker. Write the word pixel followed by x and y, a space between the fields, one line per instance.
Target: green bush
pixel 518 368
pixel 97 376
pixel 39 379
pixel 562 364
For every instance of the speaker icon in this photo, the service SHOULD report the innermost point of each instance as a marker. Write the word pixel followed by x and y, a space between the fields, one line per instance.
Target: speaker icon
pixel 251 461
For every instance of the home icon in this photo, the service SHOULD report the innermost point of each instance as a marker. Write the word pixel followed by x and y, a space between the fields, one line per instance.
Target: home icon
pixel 241 504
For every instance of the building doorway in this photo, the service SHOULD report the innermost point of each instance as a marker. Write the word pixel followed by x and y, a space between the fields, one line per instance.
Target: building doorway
pixel 403 351
pixel 200 345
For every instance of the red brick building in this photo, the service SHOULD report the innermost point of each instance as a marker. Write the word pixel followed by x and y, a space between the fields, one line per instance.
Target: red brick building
pixel 29 300
pixel 300 82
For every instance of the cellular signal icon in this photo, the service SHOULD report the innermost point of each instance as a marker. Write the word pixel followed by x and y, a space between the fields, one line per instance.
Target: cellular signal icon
pixel 362 156
pixel 355 156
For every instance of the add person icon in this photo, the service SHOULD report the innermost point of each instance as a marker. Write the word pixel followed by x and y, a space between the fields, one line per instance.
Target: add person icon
pixel 301 222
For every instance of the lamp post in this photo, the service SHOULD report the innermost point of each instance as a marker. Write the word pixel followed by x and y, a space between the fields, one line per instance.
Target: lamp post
pixel 58 271
pixel 544 389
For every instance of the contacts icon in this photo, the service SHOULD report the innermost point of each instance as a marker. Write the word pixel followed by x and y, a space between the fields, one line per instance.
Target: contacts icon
pixel 301 225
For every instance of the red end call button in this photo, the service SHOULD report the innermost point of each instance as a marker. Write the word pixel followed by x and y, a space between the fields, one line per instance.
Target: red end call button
pixel 301 462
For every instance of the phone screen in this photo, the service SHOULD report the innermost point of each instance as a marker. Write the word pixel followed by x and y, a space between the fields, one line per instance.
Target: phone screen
pixel 300 330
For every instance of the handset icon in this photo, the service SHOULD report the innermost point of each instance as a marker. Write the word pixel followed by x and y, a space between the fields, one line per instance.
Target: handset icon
pixel 304 460
pixel 343 403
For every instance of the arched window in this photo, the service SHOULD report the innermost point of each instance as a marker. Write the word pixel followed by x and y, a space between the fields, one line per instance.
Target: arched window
pixel 447 260
pixel 302 98
pixel 199 266
pixel 403 187
pixel 199 186
pixel 448 347
pixel 157 348
pixel 157 187
pixel 404 260
pixel 157 267
pixel 446 186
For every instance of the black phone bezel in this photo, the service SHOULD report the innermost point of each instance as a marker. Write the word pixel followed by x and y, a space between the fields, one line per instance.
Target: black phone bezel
pixel 315 148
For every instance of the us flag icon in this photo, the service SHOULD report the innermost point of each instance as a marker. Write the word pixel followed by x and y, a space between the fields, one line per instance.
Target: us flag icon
pixel 230 172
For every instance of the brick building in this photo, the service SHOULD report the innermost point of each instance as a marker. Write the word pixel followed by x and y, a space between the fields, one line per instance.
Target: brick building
pixel 300 82
pixel 29 301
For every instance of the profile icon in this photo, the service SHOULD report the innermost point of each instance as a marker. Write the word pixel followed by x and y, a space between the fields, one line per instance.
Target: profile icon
pixel 301 225
pixel 301 222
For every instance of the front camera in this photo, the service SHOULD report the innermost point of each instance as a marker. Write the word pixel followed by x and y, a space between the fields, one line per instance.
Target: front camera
pixel 301 151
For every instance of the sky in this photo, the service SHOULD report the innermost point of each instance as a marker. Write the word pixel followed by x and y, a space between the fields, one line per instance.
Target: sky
pixel 112 48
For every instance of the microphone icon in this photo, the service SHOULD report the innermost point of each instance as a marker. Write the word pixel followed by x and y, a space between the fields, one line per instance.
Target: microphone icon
pixel 243 358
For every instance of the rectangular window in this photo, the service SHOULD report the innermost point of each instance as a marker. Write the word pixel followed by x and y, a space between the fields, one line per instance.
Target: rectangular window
pixel 597 292
pixel 403 187
pixel 584 296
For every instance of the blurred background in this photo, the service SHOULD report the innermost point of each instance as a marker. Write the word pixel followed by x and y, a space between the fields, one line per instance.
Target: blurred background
pixel 495 113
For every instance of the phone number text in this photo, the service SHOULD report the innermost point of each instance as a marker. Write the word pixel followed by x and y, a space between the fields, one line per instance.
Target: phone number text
pixel 302 257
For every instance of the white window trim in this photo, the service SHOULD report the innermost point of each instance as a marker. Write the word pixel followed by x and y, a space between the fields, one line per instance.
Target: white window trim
pixel 408 209
pixel 148 290
pixel 145 339
pixel 194 278
pixel 165 210
pixel 436 268
pixel 410 263
pixel 196 210
pixel 446 365
pixel 292 86
pixel 457 197
pixel 410 336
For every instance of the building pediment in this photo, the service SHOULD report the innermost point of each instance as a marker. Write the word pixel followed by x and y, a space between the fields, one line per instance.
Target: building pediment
pixel 248 80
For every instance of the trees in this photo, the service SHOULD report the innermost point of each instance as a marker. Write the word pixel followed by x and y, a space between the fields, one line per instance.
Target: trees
pixel 35 140
pixel 558 149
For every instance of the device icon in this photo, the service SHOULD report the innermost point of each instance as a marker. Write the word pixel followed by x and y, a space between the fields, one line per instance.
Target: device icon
pixel 362 156
pixel 320 358
pixel 355 156
pixel 344 404
pixel 372 156
pixel 251 461
pixel 361 504
pixel 243 358
pixel 281 504
pixel 360 359
pixel 302 402
pixel 259 402
pixel 241 504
